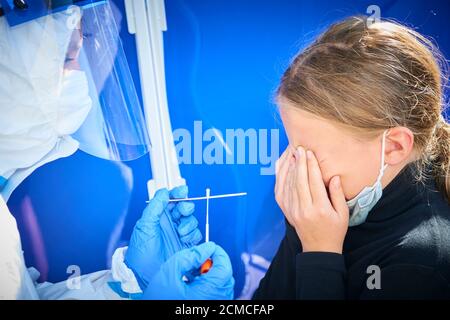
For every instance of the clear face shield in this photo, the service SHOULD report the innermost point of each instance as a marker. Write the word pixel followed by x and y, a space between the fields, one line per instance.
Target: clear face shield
pixel 80 56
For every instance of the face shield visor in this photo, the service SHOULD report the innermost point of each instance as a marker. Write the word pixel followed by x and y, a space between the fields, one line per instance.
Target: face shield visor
pixel 86 74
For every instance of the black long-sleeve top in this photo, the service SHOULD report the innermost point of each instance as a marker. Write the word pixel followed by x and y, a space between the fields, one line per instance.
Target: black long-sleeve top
pixel 402 251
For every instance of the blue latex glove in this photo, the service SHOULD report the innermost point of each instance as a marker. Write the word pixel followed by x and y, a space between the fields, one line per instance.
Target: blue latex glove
pixel 148 248
pixel 216 284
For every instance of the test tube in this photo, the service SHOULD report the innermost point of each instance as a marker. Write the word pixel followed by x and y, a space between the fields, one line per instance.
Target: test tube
pixel 208 193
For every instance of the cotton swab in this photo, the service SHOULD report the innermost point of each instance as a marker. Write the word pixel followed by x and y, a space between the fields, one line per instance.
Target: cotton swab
pixel 218 196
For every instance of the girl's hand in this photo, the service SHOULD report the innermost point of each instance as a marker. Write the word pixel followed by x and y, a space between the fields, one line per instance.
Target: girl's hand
pixel 320 224
pixel 281 171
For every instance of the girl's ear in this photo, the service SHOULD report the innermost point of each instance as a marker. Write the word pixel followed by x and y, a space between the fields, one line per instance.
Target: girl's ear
pixel 399 145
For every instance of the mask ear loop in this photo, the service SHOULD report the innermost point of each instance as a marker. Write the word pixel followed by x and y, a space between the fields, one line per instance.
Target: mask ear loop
pixel 383 165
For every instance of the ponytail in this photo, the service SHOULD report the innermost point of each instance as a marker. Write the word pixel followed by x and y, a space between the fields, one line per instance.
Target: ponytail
pixel 441 157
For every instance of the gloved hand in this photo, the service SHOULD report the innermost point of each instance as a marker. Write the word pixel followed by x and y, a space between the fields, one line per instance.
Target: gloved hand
pixel 147 250
pixel 216 284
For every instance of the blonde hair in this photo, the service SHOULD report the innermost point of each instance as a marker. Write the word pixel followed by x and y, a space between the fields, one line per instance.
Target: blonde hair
pixel 372 77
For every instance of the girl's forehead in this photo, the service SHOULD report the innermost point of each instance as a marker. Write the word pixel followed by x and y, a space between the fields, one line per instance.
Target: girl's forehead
pixel 305 124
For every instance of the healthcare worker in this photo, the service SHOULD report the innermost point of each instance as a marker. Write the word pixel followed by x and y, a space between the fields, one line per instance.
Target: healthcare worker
pixel 64 85
pixel 364 184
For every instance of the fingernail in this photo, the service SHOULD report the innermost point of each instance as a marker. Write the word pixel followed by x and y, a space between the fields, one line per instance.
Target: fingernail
pixel 299 151
pixel 309 154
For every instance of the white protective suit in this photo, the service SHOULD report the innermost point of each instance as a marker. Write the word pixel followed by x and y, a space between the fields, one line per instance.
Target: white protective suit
pixel 18 282
pixel 40 107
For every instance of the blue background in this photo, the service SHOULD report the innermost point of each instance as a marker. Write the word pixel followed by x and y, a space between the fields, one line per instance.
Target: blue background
pixel 223 61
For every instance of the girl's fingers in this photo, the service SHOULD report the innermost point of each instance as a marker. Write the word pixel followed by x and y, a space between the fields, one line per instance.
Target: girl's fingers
pixel 317 187
pixel 280 182
pixel 301 178
pixel 286 154
pixel 282 159
pixel 282 171
pixel 289 190
pixel 294 201
pixel 337 197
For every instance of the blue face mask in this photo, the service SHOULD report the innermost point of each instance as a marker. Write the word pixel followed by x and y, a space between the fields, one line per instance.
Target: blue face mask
pixel 361 205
